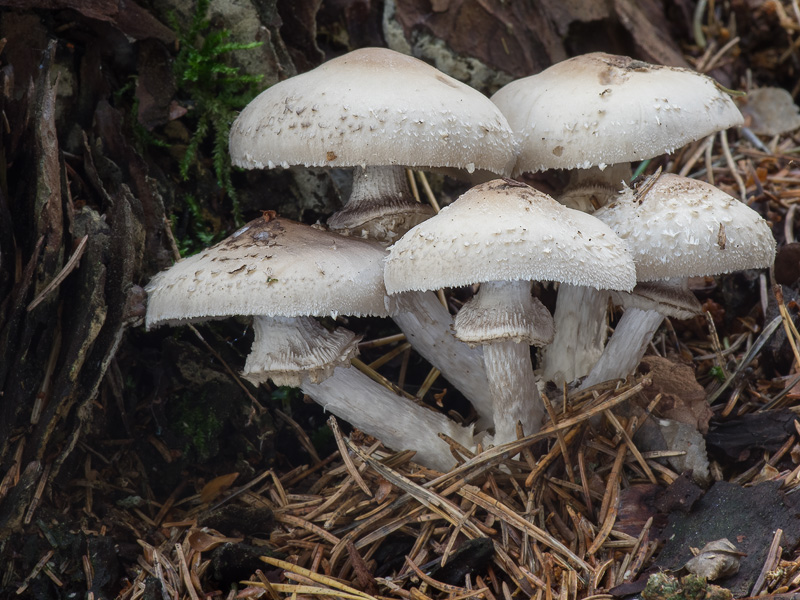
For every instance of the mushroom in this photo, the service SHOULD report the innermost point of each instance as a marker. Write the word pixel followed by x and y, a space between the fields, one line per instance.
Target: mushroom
pixel 502 235
pixel 594 114
pixel 284 273
pixel 600 109
pixel 676 228
pixel 378 110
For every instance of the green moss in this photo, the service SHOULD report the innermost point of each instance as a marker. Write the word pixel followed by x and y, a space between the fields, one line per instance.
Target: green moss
pixel 196 421
pixel 662 586
pixel 202 231
pixel 215 90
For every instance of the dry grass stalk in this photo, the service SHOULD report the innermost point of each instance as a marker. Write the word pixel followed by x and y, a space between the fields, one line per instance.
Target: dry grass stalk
pixel 348 462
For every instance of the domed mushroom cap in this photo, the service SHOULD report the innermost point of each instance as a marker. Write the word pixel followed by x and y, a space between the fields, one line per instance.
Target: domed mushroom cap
pixel 373 106
pixel 682 227
pixel 599 109
pixel 507 232
pixel 272 267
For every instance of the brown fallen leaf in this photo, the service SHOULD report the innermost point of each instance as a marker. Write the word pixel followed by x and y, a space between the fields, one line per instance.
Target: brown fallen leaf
pixel 216 486
pixel 682 398
pixel 771 111
pixel 201 541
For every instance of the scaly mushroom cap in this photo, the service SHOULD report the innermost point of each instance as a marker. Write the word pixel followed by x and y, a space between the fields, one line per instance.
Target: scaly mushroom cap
pixel 599 109
pixel 377 107
pixel 682 227
pixel 271 267
pixel 500 231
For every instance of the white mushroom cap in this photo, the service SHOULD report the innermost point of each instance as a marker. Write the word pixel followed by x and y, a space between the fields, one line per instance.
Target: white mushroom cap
pixel 377 107
pixel 599 109
pixel 272 267
pixel 500 231
pixel 682 227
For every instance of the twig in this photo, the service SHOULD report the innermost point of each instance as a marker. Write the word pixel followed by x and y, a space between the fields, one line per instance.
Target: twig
pixel 473 494
pixel 770 562
pixel 348 461
pixel 561 441
pixel 305 441
pixel 329 581
pixel 723 137
pixel 73 262
pixel 428 192
pixel 631 446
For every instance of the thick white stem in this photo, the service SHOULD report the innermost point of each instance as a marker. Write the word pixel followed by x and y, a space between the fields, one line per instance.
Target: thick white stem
pixel 428 327
pixel 580 322
pixel 580 317
pixel 627 346
pixel 380 207
pixel 513 387
pixel 506 319
pixel 394 420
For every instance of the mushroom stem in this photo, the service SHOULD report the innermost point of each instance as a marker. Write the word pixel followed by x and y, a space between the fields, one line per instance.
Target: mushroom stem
pixel 580 314
pixel 513 387
pixel 380 206
pixel 506 319
pixel 396 421
pixel 427 326
pixel 626 347
pixel 580 323
pixel 592 188
pixel 645 308
pixel 299 352
pixel 289 350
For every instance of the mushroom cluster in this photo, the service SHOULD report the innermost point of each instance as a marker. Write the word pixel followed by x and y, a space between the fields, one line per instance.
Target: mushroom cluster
pixel 386 254
pixel 504 236
pixel 592 115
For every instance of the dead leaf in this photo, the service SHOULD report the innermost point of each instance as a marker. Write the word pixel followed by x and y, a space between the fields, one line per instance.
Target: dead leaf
pixel 716 560
pixel 384 488
pixel 738 437
pixel 201 541
pixel 682 398
pixel 771 111
pixel 767 473
pixel 216 486
pixel 128 16
pixel 787 264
